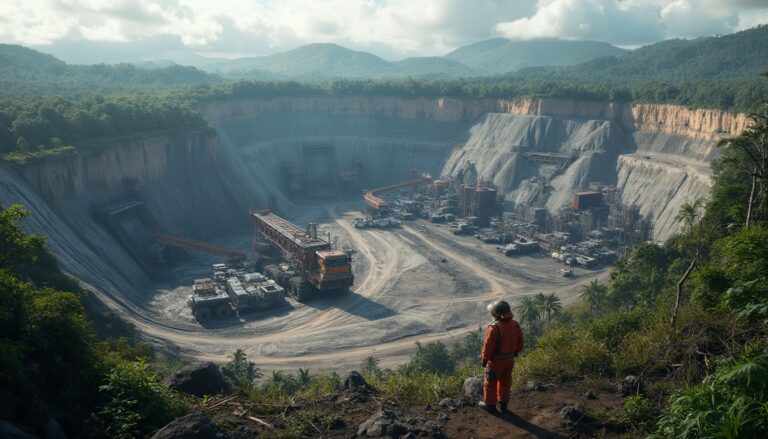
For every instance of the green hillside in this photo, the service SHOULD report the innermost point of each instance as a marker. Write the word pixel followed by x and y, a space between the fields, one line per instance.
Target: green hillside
pixel 735 57
pixel 313 61
pixel 434 67
pixel 24 71
pixel 499 55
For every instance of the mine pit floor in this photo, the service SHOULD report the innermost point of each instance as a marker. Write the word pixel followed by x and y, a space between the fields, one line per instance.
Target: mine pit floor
pixel 414 283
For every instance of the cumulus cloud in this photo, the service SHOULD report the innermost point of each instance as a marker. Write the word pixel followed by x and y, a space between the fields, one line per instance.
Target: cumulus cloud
pixel 391 28
pixel 405 26
pixel 604 20
pixel 632 22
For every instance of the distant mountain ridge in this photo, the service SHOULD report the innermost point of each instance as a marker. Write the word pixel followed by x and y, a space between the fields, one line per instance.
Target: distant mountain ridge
pixel 490 57
pixel 499 55
pixel 23 69
pixel 741 56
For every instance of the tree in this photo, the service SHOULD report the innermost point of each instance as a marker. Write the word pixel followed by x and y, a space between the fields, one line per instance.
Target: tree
pixel 245 371
pixel 139 403
pixel 594 294
pixel 529 314
pixel 432 357
pixel 303 377
pixel 753 144
pixel 689 213
pixel 550 305
pixel 16 247
pixel 370 366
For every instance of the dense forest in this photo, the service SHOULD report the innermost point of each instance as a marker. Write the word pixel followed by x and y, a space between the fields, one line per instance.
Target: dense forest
pixel 736 57
pixel 41 126
pixel 27 73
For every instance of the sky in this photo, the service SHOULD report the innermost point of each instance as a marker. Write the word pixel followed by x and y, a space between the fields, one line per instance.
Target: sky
pixel 90 31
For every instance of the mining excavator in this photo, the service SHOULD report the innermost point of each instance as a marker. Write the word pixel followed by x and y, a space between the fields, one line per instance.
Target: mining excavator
pixel 310 264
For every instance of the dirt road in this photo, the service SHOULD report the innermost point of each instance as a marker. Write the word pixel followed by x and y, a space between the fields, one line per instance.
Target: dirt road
pixel 416 283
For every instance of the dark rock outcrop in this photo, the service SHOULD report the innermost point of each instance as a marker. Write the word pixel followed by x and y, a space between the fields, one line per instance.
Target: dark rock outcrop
pixel 629 385
pixel 473 388
pixel 353 381
pixel 200 380
pixel 196 425
pixel 385 424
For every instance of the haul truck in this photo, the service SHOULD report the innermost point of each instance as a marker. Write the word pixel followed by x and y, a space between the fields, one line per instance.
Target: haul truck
pixel 310 264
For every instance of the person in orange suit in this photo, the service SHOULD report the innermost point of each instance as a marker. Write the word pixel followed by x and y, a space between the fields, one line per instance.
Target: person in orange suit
pixel 503 343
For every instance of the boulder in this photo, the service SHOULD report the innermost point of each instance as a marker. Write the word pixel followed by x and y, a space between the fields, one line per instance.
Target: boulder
pixel 535 386
pixel 473 388
pixel 196 425
pixel 571 414
pixel 629 385
pixel 385 424
pixel 200 380
pixel 353 381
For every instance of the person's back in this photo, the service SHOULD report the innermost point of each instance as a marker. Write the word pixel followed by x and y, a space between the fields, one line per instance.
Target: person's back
pixel 503 342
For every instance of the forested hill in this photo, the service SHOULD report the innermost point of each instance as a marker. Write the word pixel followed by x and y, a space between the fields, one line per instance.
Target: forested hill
pixel 736 57
pixel 499 55
pixel 25 72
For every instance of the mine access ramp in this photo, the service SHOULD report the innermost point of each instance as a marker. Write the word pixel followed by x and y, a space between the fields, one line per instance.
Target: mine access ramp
pixel 311 263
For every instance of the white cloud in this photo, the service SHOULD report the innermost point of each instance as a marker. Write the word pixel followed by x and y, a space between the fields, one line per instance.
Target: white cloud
pixel 690 19
pixel 625 22
pixel 632 22
pixel 392 28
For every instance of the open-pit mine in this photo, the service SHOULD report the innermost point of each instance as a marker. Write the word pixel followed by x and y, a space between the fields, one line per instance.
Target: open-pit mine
pixel 501 199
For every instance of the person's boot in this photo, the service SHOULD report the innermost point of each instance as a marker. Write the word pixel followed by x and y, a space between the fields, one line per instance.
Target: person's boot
pixel 487 407
pixel 503 407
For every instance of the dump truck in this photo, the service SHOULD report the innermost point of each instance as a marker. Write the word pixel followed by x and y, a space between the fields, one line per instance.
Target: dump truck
pixel 232 289
pixel 310 265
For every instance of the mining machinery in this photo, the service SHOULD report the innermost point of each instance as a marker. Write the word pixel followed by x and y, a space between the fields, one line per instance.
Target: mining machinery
pixel 310 264
pixel 373 199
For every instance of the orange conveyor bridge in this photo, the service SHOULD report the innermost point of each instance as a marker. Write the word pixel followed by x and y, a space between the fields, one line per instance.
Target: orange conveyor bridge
pixel 186 243
pixel 373 199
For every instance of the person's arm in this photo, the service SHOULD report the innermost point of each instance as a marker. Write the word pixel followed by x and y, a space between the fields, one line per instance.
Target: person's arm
pixel 489 344
pixel 520 338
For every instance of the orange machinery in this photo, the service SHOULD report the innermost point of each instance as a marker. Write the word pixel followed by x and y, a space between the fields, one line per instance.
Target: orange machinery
pixel 373 199
pixel 311 256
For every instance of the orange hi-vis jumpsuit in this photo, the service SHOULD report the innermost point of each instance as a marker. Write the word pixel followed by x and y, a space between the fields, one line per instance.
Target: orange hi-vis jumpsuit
pixel 503 340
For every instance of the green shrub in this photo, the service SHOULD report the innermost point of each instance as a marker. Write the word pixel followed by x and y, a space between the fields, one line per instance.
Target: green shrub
pixel 418 388
pixel 639 413
pixel 731 403
pixel 138 402
pixel 563 353
pixel 612 328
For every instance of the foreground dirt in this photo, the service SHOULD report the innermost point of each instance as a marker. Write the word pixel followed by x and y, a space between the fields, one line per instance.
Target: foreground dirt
pixel 535 414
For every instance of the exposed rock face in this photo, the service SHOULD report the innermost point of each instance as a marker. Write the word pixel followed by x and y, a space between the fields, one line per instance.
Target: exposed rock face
pixel 200 380
pixel 185 177
pixel 196 425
